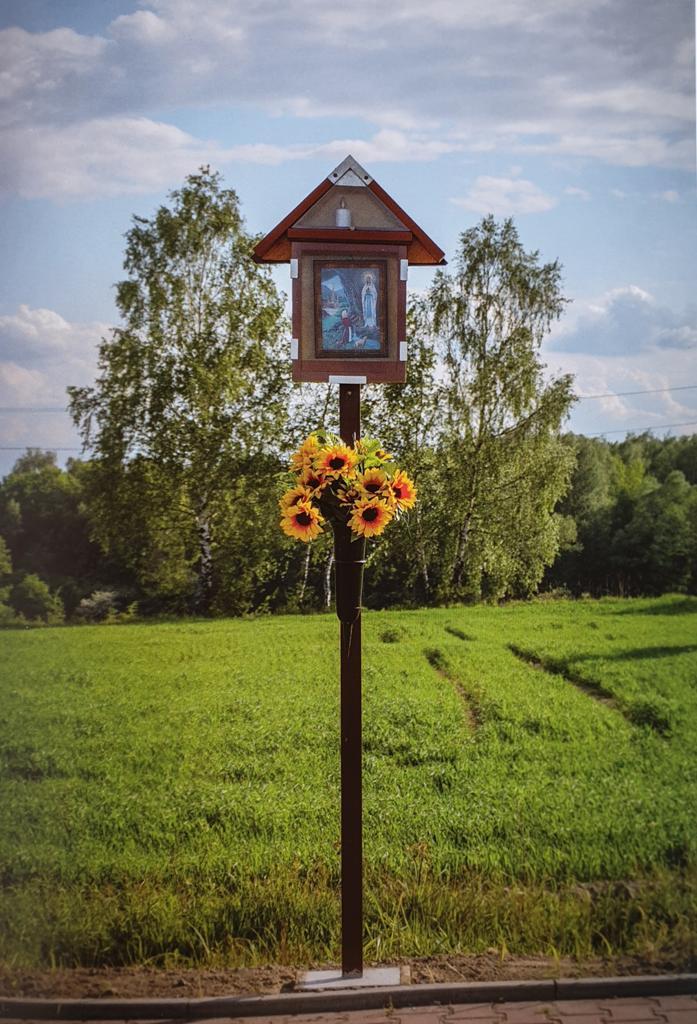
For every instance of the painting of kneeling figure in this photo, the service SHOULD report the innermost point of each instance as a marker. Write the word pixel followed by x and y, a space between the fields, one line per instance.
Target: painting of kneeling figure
pixel 350 309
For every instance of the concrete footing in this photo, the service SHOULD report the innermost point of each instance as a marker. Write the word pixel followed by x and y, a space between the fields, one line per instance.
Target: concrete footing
pixel 333 980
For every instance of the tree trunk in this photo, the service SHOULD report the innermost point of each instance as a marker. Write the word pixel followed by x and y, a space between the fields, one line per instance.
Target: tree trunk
pixel 306 569
pixel 421 553
pixel 204 586
pixel 459 564
pixel 328 580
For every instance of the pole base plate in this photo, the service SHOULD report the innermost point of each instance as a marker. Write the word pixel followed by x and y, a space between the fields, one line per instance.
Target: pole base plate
pixel 372 977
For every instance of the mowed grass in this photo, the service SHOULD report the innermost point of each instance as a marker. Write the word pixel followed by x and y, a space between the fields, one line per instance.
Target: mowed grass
pixel 170 792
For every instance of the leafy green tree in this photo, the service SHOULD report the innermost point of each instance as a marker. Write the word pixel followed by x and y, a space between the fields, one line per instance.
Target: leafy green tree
pixel 502 465
pixel 7 614
pixel 654 552
pixel 583 563
pixel 32 599
pixel 407 418
pixel 5 559
pixel 43 518
pixel 191 392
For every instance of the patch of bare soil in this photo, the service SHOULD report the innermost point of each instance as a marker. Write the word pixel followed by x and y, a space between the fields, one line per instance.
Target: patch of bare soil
pixel 192 983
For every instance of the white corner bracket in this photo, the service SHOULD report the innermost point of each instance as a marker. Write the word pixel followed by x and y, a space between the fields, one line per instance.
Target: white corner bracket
pixel 347 380
pixel 403 270
pixel 349 172
pixel 402 351
pixel 293 269
pixel 293 348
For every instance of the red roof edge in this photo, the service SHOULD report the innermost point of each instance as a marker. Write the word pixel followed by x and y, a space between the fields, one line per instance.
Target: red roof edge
pixel 273 236
pixel 267 243
pixel 420 234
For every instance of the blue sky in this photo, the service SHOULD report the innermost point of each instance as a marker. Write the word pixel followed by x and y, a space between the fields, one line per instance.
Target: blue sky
pixel 576 118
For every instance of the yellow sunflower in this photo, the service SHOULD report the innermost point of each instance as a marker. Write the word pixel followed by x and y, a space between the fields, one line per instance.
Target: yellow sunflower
pixel 337 460
pixel 373 483
pixel 302 459
pixel 370 517
pixel 403 490
pixel 302 521
pixel 312 479
pixel 347 495
pixel 293 496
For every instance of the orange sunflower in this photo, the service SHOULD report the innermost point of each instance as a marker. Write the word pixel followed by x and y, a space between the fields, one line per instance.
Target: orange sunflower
pixel 403 490
pixel 293 496
pixel 373 483
pixel 302 459
pixel 312 479
pixel 302 521
pixel 370 517
pixel 337 460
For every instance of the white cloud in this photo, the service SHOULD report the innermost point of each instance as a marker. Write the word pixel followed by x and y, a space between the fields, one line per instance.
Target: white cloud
pixel 619 149
pixel 109 156
pixel 634 100
pixel 143 28
pixel 624 341
pixel 578 193
pixel 625 321
pixel 505 196
pixel 647 371
pixel 684 336
pixel 603 88
pixel 117 156
pixel 41 353
pixel 385 145
pixel 669 196
pixel 36 64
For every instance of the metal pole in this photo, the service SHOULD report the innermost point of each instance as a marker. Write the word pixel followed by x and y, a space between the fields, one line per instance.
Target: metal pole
pixel 349 572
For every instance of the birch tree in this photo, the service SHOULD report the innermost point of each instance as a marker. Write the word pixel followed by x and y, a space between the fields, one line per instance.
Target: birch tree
pixel 502 464
pixel 191 387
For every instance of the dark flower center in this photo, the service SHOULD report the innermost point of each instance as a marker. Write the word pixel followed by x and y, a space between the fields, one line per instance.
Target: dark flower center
pixel 370 514
pixel 337 462
pixel 303 519
pixel 372 487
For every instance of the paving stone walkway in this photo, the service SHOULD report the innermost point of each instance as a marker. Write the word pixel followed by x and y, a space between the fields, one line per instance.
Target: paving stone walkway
pixel 651 1010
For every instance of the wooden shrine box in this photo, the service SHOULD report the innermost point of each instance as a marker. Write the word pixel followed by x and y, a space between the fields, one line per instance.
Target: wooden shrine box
pixel 349 246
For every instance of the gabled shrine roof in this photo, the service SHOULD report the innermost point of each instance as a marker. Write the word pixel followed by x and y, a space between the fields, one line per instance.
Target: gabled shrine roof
pixel 377 218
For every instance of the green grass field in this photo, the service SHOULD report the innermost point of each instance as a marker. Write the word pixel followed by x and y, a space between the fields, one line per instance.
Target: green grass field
pixel 170 791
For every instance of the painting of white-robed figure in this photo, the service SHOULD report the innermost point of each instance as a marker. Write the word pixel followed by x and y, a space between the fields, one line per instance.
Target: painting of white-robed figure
pixel 350 301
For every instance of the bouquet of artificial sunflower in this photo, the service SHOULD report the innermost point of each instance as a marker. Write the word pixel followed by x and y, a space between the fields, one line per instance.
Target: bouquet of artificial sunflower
pixel 359 486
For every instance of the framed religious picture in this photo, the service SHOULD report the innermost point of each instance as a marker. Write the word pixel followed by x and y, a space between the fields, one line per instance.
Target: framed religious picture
pixel 349 245
pixel 350 309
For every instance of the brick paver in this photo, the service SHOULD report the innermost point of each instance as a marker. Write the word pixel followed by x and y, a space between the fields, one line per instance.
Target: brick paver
pixel 627 1011
pixel 651 1010
pixel 574 1009
pixel 473 1012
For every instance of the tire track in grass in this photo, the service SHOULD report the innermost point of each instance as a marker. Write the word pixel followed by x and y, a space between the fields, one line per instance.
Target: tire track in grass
pixel 454 631
pixel 637 713
pixel 472 712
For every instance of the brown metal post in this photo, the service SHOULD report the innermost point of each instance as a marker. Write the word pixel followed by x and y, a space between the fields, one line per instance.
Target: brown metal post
pixel 350 559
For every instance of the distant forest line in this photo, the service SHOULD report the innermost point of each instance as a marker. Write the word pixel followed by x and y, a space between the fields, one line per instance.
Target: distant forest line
pixel 627 526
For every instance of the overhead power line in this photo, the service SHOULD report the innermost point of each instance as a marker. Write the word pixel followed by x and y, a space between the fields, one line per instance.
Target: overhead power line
pixel 581 398
pixel 651 391
pixel 642 430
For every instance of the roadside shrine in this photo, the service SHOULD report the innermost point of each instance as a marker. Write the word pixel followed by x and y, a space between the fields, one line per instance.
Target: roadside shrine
pixel 349 245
